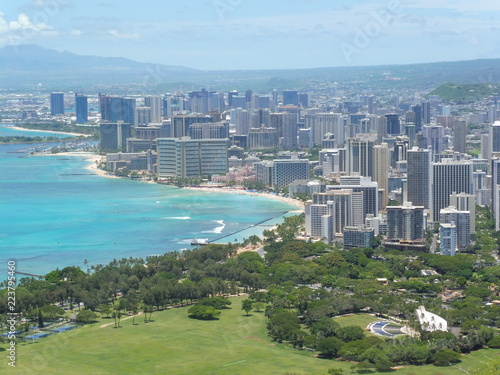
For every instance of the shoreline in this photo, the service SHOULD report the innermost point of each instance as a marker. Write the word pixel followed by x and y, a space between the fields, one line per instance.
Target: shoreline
pixel 89 157
pixel 292 202
pixel 46 131
pixel 93 158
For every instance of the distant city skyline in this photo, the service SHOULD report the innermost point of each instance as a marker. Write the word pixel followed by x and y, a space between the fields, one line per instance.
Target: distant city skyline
pixel 244 34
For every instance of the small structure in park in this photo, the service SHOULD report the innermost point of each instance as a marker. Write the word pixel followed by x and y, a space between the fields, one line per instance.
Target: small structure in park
pixel 431 322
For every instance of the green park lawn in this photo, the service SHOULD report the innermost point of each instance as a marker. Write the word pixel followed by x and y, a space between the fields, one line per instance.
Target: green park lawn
pixel 175 344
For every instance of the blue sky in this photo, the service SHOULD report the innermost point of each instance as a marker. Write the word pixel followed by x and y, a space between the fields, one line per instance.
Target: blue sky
pixel 258 34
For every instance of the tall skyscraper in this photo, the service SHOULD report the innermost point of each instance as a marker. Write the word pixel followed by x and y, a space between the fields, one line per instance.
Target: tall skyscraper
pixel 418 176
pixel 154 102
pixel 82 111
pixel 360 155
pixel 426 113
pixel 495 136
pixel 291 97
pixel 230 96
pixel 128 110
pixel 104 106
pixel 290 131
pixel 495 190
pixel 56 103
pixel 418 117
pixel 115 109
pixel 380 170
pixel 113 136
pixel 323 123
pixel 393 124
pixel 449 177
pixel 434 136
pixel 459 134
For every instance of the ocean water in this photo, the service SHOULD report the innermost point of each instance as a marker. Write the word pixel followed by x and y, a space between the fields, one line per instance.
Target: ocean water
pixel 54 215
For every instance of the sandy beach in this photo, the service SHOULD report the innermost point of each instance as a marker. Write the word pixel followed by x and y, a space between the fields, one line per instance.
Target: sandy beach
pixel 48 131
pixel 290 201
pixel 90 157
pixel 94 159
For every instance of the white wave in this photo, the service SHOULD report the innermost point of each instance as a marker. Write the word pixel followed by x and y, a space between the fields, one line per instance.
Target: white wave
pixel 177 218
pixel 217 230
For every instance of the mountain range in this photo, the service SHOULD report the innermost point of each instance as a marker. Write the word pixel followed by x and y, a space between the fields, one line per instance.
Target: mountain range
pixel 25 67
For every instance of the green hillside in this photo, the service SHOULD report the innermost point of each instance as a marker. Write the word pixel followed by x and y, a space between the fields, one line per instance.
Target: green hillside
pixel 465 92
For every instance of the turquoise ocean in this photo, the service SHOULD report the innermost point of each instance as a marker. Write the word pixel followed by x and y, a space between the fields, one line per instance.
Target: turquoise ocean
pixel 53 214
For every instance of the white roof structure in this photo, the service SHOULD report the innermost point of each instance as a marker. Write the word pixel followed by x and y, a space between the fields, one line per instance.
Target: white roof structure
pixel 431 322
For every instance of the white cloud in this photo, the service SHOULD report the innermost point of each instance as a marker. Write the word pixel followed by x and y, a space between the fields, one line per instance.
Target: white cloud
pixel 119 35
pixel 76 32
pixel 22 30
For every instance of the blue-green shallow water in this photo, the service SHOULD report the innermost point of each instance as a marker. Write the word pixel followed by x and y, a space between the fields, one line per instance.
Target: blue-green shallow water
pixel 51 219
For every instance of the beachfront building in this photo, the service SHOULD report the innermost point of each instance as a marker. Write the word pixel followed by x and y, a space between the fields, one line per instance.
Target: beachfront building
pixel 190 158
pixel 113 136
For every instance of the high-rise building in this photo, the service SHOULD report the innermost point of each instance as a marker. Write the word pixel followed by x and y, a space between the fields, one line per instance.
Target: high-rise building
pixel 369 188
pixel 393 124
pixel 495 136
pixel 304 100
pixel 466 202
pixel 209 130
pixel 113 136
pixel 323 123
pixel 128 111
pixel 344 205
pixel 459 134
pixel 448 239
pixel 287 171
pixel 56 103
pixel 449 177
pixel 259 138
pixel 116 109
pixel 291 97
pixel 104 106
pixel 434 136
pixel 142 116
pixel 82 111
pixel 485 146
pixel 154 102
pixel 405 222
pixel 426 113
pixel 189 158
pixel 461 219
pixel 180 124
pixel 495 190
pixel 380 170
pixel 230 96
pixel 418 177
pixel 290 131
pixel 358 237
pixel 360 155
pixel 417 109
pixel 173 104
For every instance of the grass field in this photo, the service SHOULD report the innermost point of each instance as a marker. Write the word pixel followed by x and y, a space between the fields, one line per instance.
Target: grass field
pixel 174 344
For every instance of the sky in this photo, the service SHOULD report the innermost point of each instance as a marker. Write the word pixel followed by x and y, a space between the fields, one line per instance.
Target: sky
pixel 259 34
